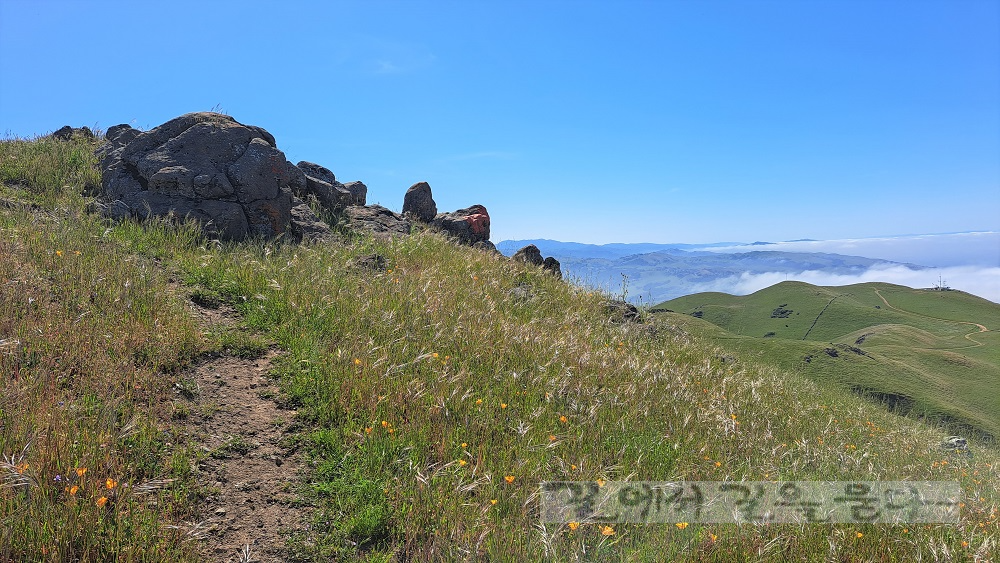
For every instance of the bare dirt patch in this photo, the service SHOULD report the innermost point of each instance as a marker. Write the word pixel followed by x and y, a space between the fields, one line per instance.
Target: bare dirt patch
pixel 249 473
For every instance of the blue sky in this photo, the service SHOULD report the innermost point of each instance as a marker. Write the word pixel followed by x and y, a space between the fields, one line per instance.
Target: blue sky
pixel 671 121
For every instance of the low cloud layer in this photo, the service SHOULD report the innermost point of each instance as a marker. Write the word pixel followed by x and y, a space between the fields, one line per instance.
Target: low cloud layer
pixel 977 280
pixel 959 249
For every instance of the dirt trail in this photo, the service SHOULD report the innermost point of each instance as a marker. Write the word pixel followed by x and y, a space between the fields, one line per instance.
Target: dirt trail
pixel 251 507
pixel 967 336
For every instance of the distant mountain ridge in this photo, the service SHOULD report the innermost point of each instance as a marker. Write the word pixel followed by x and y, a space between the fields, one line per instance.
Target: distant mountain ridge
pixel 570 250
pixel 651 272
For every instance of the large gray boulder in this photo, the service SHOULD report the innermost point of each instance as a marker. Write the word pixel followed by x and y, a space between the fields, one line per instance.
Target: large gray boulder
pixel 376 219
pixel 467 226
pixel 207 166
pixel 418 203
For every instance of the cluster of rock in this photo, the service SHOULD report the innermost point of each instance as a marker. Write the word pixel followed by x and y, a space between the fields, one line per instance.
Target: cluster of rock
pixel 469 226
pixel 233 180
pixel 237 184
pixel 68 133
pixel 531 255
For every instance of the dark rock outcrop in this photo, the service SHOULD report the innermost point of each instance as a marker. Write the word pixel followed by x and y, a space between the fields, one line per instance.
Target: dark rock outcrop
pixel 331 194
pixel 418 203
pixel 529 255
pixel 313 170
pixel 620 311
pixel 376 219
pixel 371 262
pixel 207 166
pixel 551 265
pixel 117 136
pixel 323 185
pixel 468 226
pixel 358 190
pixel 67 133
pixel 486 246
pixel 955 444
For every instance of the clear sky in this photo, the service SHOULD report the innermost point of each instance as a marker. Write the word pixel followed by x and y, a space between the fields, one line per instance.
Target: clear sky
pixel 609 121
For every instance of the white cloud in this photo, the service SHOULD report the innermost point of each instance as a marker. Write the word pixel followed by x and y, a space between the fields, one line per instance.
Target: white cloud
pixel 977 280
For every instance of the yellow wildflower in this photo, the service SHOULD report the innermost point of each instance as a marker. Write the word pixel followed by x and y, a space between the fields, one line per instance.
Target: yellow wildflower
pixel 681 525
pixel 607 531
pixel 509 478
pixel 574 525
pixel 102 501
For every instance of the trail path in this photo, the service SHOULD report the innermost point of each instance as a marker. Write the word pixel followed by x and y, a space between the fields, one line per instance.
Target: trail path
pixel 250 476
pixel 967 336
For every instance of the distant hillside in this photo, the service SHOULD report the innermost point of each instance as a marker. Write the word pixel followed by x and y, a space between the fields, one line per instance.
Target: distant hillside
pixel 921 351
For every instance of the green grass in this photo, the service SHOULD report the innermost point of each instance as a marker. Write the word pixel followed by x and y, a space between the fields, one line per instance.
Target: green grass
pixel 431 403
pixel 923 352
pixel 89 333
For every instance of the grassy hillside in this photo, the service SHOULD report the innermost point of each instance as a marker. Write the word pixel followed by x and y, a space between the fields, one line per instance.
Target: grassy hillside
pixel 429 399
pixel 932 353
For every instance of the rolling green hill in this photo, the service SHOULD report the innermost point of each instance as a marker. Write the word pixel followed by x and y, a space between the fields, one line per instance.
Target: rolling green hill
pixel 922 352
